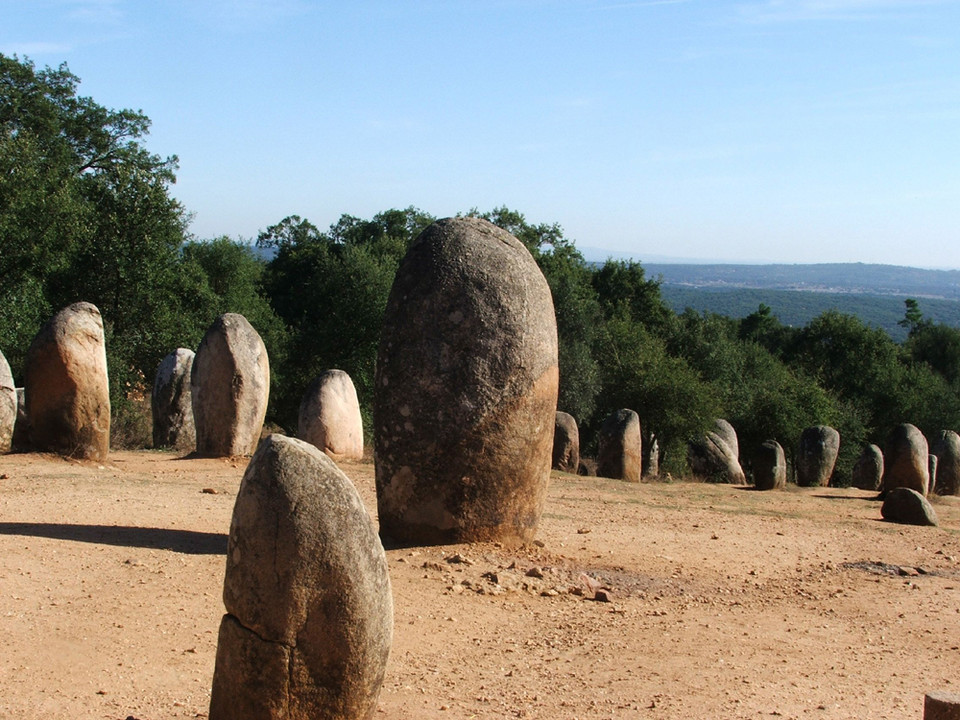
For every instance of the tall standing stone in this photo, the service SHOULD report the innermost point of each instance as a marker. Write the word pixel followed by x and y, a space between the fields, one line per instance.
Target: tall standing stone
pixel 714 460
pixel 330 416
pixel 171 402
pixel 466 389
pixel 868 470
pixel 650 462
pixel 770 466
pixel 819 447
pixel 947 450
pixel 230 386
pixel 65 385
pixel 8 406
pixel 566 443
pixel 728 434
pixel 309 619
pixel 905 458
pixel 620 447
pixel 21 428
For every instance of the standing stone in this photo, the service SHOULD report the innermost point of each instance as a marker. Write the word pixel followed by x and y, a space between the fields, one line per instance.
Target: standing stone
pixel 947 450
pixel 619 447
pixel 712 459
pixel 941 705
pixel 905 505
pixel 21 428
pixel 566 444
pixel 8 406
pixel 65 385
pixel 309 619
pixel 171 402
pixel 330 416
pixel 819 447
pixel 466 389
pixel 650 462
pixel 905 456
pixel 728 434
pixel 868 470
pixel 230 386
pixel 770 466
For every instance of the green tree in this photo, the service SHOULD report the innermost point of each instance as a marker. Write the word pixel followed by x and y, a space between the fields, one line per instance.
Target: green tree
pixel 330 289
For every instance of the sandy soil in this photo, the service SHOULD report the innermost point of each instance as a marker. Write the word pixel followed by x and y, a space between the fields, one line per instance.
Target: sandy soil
pixel 725 602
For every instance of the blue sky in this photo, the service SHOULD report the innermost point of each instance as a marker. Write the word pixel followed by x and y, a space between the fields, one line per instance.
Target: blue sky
pixel 747 130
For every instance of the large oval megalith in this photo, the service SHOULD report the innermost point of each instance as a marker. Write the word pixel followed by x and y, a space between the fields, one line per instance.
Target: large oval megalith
pixel 229 387
pixel 330 416
pixel 466 389
pixel 171 402
pixel 8 406
pixel 905 459
pixel 620 446
pixel 819 448
pixel 309 619
pixel 66 389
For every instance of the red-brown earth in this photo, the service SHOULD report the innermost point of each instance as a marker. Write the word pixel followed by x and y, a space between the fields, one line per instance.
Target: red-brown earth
pixel 724 602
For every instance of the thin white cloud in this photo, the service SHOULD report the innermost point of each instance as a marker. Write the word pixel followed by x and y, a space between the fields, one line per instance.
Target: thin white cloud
pixel 95 12
pixel 801 10
pixel 246 14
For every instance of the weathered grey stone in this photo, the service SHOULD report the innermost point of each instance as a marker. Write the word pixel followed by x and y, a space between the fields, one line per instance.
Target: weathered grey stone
pixel 905 458
pixel 21 428
pixel 817 456
pixel 620 446
pixel 941 705
pixel 309 613
pixel 8 406
pixel 868 470
pixel 230 386
pixel 588 467
pixel 466 389
pixel 906 505
pixel 947 450
pixel 728 434
pixel 650 461
pixel 713 460
pixel 566 443
pixel 66 387
pixel 171 402
pixel 330 416
pixel 770 466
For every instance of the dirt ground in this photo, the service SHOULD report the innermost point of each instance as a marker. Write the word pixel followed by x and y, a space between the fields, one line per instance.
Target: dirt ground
pixel 724 602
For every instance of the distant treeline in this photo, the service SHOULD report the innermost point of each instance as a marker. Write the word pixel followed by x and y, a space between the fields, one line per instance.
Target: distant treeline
pixel 796 307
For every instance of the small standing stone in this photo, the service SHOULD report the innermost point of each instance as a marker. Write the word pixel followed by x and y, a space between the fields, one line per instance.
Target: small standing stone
pixel 171 402
pixel 309 618
pixel 819 447
pixel 330 416
pixel 230 386
pixel 714 460
pixel 619 447
pixel 947 450
pixel 905 505
pixel 941 705
pixel 770 466
pixel 566 444
pixel 868 470
pixel 65 385
pixel 905 460
pixel 8 406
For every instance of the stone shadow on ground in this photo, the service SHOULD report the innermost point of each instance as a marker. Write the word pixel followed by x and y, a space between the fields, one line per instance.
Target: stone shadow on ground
pixel 187 542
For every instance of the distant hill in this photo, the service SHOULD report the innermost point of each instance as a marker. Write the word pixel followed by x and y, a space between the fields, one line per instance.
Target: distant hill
pixel 798 293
